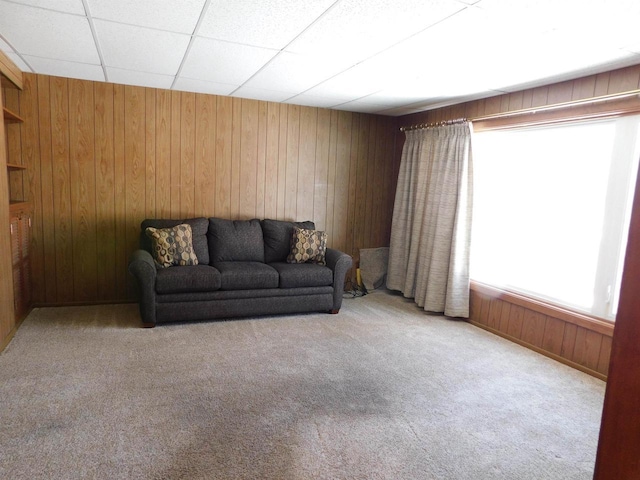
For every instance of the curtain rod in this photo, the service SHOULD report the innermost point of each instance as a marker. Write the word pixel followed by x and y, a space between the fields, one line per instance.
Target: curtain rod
pixel 432 125
pixel 534 110
pixel 556 106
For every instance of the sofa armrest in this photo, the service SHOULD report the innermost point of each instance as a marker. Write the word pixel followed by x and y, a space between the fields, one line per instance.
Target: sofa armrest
pixel 143 268
pixel 339 262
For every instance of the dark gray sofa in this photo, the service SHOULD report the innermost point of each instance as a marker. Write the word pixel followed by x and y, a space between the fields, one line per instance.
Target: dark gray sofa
pixel 241 271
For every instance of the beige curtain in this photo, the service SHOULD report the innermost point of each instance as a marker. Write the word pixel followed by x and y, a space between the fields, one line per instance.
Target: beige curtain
pixel 431 228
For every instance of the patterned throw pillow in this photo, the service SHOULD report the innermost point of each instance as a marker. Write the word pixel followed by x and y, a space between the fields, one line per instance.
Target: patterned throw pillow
pixel 307 246
pixel 172 246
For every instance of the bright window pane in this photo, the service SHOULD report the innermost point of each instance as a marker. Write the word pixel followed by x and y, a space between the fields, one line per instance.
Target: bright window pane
pixel 540 201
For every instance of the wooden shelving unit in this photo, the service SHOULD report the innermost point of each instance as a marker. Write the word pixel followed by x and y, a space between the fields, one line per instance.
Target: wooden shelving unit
pixel 16 189
pixel 20 210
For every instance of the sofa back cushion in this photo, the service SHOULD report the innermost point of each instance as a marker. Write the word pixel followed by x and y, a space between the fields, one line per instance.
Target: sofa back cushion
pixel 277 238
pixel 199 227
pixel 235 241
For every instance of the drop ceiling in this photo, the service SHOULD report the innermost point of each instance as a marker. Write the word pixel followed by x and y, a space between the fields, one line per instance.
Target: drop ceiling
pixel 391 57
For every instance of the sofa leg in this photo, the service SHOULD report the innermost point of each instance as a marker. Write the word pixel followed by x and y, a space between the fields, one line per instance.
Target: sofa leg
pixel 334 311
pixel 148 325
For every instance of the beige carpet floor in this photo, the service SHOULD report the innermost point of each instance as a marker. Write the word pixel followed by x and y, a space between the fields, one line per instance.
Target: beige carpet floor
pixel 380 391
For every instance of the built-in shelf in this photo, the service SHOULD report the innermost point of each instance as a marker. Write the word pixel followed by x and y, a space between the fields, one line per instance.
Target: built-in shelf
pixel 17 204
pixel 13 166
pixel 11 117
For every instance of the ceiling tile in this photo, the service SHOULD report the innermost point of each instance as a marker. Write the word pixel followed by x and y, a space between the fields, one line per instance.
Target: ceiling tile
pixel 456 83
pixel 325 101
pixel 142 79
pixel 633 48
pixel 399 111
pixel 67 6
pixel 43 33
pixel 200 86
pixel 296 72
pixel 223 62
pixel 262 94
pixel 361 107
pixel 441 45
pixel 396 96
pixel 446 74
pixel 605 22
pixel 356 29
pixel 359 81
pixel 61 68
pixel 142 49
pixel 553 56
pixel 561 76
pixel 616 24
pixel 260 23
pixel 159 14
pixel 541 15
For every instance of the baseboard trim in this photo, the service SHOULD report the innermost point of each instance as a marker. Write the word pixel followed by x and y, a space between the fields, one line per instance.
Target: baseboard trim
pixel 82 304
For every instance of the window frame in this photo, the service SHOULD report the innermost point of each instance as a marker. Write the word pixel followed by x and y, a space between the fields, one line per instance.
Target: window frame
pixel 610 259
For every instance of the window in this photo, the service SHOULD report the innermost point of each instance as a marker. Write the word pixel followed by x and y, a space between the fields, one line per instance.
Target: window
pixel 552 208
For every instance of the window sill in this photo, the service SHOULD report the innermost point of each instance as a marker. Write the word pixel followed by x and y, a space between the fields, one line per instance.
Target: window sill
pixel 602 326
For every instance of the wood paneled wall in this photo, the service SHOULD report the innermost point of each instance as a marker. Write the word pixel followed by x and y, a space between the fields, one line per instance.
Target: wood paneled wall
pixel 102 157
pixel 567 338
pixel 570 338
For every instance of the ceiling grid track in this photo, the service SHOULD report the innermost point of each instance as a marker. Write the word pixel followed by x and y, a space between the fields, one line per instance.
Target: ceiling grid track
pixel 205 7
pixel 95 39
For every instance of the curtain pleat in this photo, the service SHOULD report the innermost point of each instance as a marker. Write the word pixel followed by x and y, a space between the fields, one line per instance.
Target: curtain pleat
pixel 431 225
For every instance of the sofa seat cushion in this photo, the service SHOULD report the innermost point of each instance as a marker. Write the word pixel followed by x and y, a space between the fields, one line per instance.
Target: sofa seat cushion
pixel 296 275
pixel 246 275
pixel 191 278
